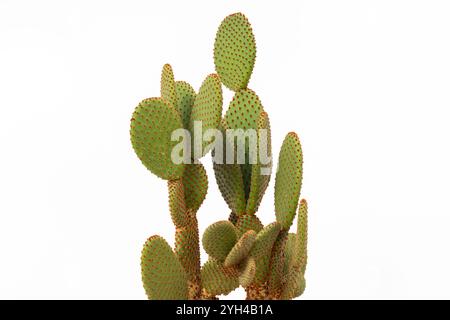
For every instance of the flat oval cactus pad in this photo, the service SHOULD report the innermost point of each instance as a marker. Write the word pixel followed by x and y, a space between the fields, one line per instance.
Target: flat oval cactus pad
pixel 162 274
pixel 235 51
pixel 152 124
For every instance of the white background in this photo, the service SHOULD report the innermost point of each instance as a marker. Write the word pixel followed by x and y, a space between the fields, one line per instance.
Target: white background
pixel 364 83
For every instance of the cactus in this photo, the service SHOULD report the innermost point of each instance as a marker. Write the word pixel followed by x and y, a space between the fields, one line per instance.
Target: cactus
pixel 162 273
pixel 268 261
pixel 219 238
pixel 241 249
pixel 235 51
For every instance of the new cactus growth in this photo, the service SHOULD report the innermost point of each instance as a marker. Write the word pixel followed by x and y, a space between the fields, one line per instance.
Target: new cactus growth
pixel 268 261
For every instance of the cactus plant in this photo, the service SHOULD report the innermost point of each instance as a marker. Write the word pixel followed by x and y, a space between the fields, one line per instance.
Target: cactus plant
pixel 268 261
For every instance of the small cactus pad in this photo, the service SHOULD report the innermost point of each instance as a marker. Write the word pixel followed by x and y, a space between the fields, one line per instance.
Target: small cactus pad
pixel 177 204
pixel 265 240
pixel 248 271
pixel 302 235
pixel 168 91
pixel 207 109
pixel 235 51
pixel 162 274
pixel 260 181
pixel 185 101
pixel 152 125
pixel 195 183
pixel 219 238
pixel 288 180
pixel 277 264
pixel 294 286
pixel 230 182
pixel 217 279
pixel 248 222
pixel 187 249
pixel 240 249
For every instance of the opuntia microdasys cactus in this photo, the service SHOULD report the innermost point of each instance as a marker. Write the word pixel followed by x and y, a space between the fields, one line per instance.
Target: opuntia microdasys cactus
pixel 269 262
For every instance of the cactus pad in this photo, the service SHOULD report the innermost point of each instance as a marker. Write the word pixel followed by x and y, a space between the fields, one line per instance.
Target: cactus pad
pixel 247 272
pixel 207 108
pixel 302 235
pixel 290 251
pixel 244 110
pixel 187 249
pixel 240 249
pixel 277 264
pixel 262 270
pixel 152 125
pixel 219 238
pixel 217 279
pixel 162 274
pixel 243 113
pixel 195 183
pixel 265 240
pixel 235 51
pixel 176 203
pixel 259 181
pixel 248 222
pixel 185 100
pixel 294 286
pixel 288 180
pixel 230 182
pixel 168 91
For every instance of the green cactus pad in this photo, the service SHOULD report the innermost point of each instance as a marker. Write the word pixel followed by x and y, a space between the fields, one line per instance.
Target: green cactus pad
pixel 177 204
pixel 277 264
pixel 168 91
pixel 235 51
pixel 262 270
pixel 230 182
pixel 195 183
pixel 247 272
pixel 260 179
pixel 302 235
pixel 243 113
pixel 246 176
pixel 207 109
pixel 187 249
pixel 185 101
pixel 217 279
pixel 240 249
pixel 294 286
pixel 265 240
pixel 248 222
pixel 152 125
pixel 162 274
pixel 219 238
pixel 288 180
pixel 290 250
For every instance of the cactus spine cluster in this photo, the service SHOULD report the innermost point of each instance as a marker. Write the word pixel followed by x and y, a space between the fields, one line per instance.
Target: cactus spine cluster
pixel 268 261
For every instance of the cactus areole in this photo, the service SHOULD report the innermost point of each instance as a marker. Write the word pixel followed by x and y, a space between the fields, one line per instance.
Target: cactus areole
pixel 171 133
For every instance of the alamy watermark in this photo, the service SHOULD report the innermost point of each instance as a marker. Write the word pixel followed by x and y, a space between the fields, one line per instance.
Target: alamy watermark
pixel 232 146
